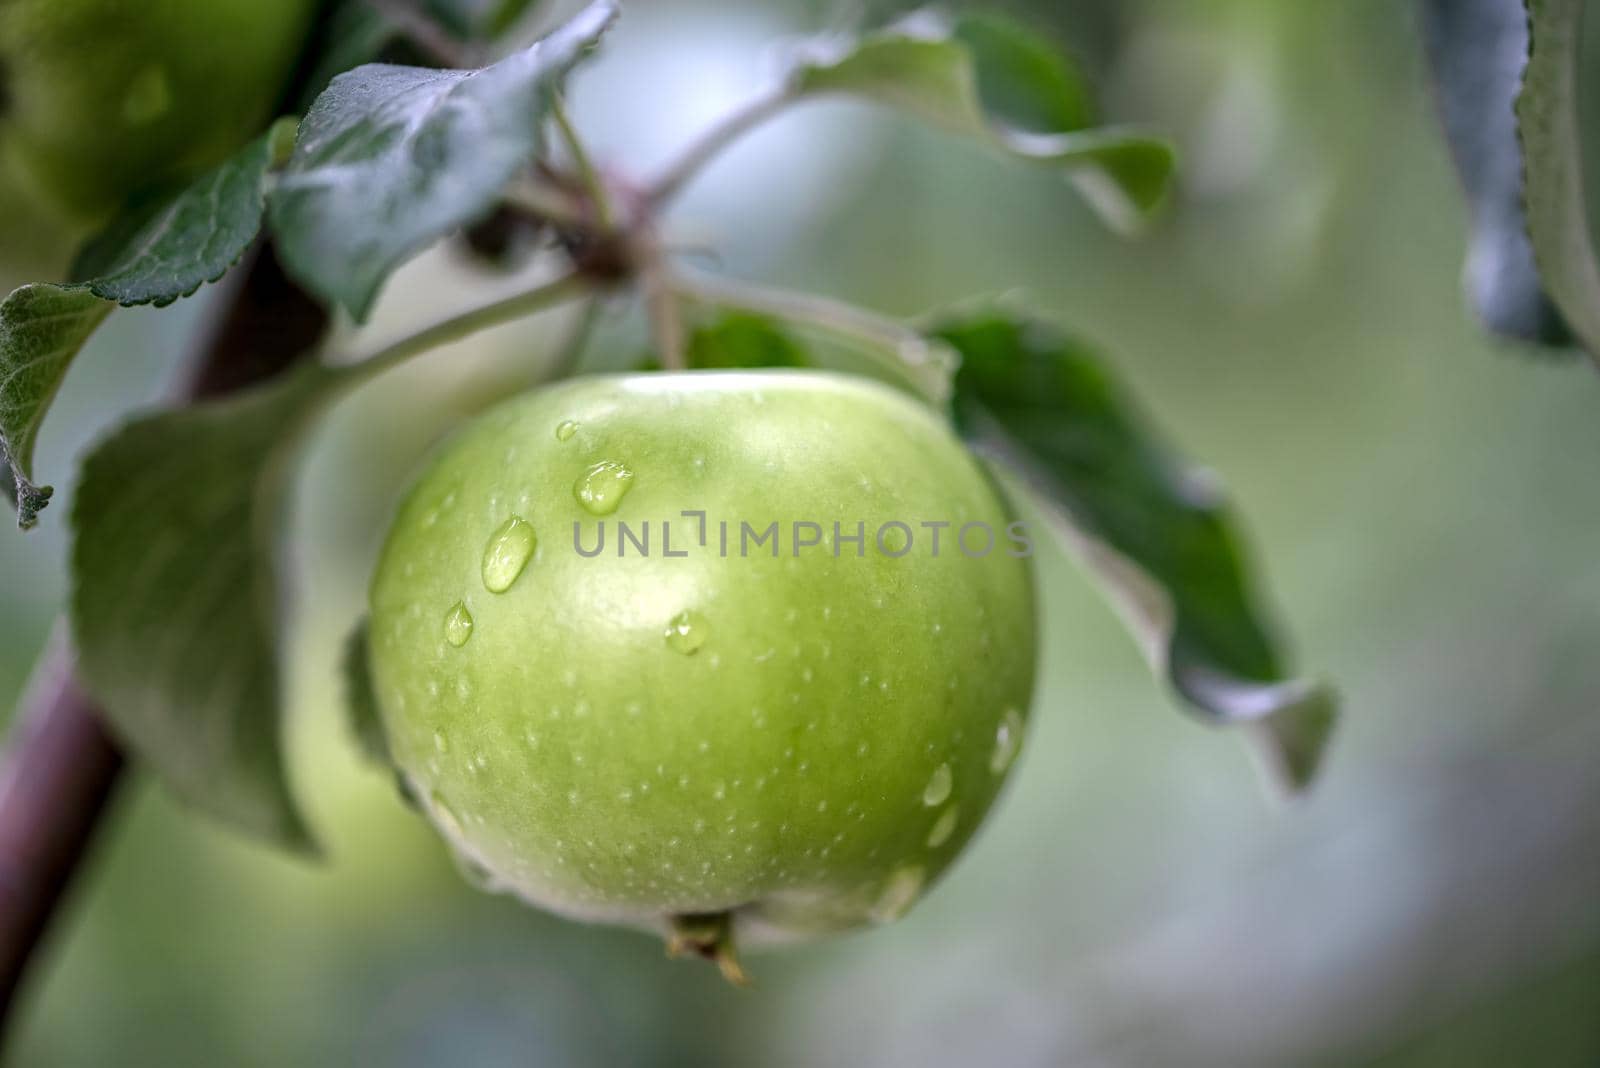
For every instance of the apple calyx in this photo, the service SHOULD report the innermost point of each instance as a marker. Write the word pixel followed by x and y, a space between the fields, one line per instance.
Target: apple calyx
pixel 710 936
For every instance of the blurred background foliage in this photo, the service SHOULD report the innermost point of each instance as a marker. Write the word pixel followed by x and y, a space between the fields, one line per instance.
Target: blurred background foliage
pixel 1425 502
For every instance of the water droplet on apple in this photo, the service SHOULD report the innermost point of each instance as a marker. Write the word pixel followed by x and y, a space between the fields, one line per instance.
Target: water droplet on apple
pixel 458 625
pixel 944 827
pixel 601 488
pixel 1007 740
pixel 565 431
pixel 687 632
pixel 937 792
pixel 508 552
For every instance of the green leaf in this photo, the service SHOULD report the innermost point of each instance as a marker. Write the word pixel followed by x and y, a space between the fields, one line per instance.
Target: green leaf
pixel 391 159
pixel 1550 125
pixel 155 253
pixel 740 340
pixel 1023 81
pixel 1152 528
pixel 481 20
pixel 176 601
pixel 750 325
pixel 1477 50
pixel 365 716
pixel 359 32
pixel 986 77
pixel 42 329
pixel 161 250
pixel 361 700
pixel 354 33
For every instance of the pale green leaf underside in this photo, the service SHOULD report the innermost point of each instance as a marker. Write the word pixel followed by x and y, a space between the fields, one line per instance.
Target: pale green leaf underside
pixel 42 327
pixel 160 252
pixel 1552 148
pixel 175 601
pixel 1477 54
pixel 390 159
pixel 931 69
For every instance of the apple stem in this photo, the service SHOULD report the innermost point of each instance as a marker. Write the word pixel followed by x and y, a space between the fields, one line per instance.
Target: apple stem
pixel 709 936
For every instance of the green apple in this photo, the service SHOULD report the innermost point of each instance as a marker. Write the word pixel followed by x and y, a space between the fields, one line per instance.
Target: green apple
pixel 100 99
pixel 621 693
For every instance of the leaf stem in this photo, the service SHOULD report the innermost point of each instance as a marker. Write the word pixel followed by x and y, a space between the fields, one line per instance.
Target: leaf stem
pixel 593 184
pixel 476 320
pixel 711 144
pixel 919 362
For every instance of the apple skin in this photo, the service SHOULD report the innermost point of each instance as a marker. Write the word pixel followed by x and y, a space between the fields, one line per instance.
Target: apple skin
pixel 101 99
pixel 783 756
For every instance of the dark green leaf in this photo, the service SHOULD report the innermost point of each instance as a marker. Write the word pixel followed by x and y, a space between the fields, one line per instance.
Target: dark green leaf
pixel 755 326
pixel 391 159
pixel 365 717
pixel 988 78
pixel 1477 50
pixel 1550 126
pixel 176 599
pixel 161 250
pixel 738 340
pixel 355 33
pixel 482 20
pixel 154 254
pixel 360 32
pixel 1024 82
pixel 1152 528
pixel 42 329
pixel 361 700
